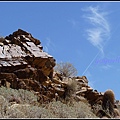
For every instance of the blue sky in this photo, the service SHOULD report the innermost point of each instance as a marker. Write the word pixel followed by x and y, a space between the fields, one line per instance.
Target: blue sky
pixel 86 34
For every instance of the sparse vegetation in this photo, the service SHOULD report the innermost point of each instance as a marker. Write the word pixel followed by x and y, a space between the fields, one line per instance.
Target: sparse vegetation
pixel 70 89
pixel 19 96
pixel 107 108
pixel 108 102
pixel 66 69
pixel 25 109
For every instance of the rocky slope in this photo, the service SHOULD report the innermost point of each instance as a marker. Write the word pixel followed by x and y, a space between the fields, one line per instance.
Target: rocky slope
pixel 24 65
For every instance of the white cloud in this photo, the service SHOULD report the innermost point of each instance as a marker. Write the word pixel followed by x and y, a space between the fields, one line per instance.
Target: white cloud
pixel 48 45
pixel 99 34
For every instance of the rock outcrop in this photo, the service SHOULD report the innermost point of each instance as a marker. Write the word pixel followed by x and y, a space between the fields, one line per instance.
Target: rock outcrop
pixel 24 65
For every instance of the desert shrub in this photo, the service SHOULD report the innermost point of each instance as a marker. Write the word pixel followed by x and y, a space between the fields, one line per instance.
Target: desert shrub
pixel 26 111
pixel 66 69
pixel 108 102
pixel 3 106
pixel 26 108
pixel 83 110
pixel 74 110
pixel 70 89
pixel 55 109
pixel 23 96
pixel 14 113
pixel 60 110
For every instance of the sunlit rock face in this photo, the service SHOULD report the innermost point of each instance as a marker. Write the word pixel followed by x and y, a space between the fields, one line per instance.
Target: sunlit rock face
pixel 22 59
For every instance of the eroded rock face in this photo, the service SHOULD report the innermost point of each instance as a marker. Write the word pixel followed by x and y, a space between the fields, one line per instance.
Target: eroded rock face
pixel 22 57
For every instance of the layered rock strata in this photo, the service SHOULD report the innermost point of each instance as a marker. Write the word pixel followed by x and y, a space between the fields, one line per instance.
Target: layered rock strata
pixel 24 65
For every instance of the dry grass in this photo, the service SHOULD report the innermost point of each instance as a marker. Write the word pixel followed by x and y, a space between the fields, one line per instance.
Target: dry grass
pixel 18 96
pixel 70 110
pixel 26 109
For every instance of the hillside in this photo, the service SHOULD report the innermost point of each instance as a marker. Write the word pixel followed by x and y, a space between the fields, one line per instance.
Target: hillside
pixel 31 88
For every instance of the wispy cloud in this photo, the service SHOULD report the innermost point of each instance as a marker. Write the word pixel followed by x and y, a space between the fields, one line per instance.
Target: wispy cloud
pixel 48 45
pixel 99 33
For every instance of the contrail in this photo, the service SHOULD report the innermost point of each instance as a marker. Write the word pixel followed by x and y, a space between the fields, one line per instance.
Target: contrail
pixel 98 35
pixel 99 52
pixel 102 48
pixel 90 63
